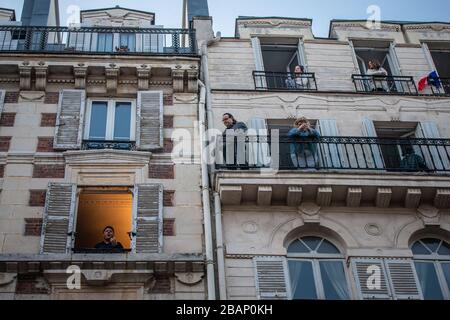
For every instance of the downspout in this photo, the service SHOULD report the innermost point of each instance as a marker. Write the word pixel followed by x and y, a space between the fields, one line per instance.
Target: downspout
pixel 220 251
pixel 205 196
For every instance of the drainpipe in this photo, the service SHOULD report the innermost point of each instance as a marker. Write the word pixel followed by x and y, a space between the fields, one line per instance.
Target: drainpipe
pixel 220 251
pixel 205 196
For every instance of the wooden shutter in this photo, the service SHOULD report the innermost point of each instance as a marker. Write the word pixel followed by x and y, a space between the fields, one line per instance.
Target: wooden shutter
pixel 259 62
pixel 2 100
pixel 149 118
pixel 147 218
pixel 69 122
pixel 372 152
pixel 403 280
pixel 271 278
pixel 362 274
pixel 302 54
pixel 59 215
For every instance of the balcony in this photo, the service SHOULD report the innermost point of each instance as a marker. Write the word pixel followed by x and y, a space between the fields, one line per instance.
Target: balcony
pixel 96 40
pixel 442 88
pixel 384 84
pixel 103 144
pixel 286 81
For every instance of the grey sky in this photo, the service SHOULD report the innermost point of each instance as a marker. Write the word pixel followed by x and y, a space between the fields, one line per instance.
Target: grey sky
pixel 224 12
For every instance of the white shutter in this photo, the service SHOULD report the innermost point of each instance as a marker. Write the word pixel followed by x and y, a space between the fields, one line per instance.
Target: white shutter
pixel 403 280
pixel 271 278
pixel 372 153
pixel 356 69
pixel 149 118
pixel 259 152
pixel 332 154
pixel 148 218
pixel 429 58
pixel 259 62
pixel 57 228
pixel 2 100
pixel 69 121
pixel 302 54
pixel 393 60
pixel 437 158
pixel 6 42
pixel 364 271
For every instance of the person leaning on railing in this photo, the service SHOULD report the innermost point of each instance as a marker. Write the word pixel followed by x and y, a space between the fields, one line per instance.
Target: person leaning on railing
pixel 377 71
pixel 303 151
pixel 412 161
pixel 234 129
pixel 299 80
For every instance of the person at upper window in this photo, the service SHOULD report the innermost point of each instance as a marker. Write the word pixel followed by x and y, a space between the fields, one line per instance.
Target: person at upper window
pixel 412 161
pixel 375 69
pixel 109 242
pixel 232 124
pixel 298 79
pixel 303 150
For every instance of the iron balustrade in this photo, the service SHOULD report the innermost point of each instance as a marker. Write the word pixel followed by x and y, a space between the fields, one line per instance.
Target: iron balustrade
pixel 98 40
pixel 103 144
pixel 384 84
pixel 443 87
pixel 267 80
pixel 333 153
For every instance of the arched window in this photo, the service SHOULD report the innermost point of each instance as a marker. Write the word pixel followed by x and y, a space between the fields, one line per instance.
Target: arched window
pixel 432 261
pixel 317 270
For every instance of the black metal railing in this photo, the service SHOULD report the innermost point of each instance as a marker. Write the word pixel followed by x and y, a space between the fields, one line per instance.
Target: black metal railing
pixel 98 40
pixel 102 144
pixel 267 80
pixel 99 251
pixel 441 87
pixel 384 84
pixel 333 153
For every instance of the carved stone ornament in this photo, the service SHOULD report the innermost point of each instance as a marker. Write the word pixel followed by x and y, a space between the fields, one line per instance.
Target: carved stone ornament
pixel 189 278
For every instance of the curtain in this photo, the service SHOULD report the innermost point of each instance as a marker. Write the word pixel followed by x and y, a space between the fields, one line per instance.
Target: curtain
pixel 295 270
pixel 259 62
pixel 373 156
pixel 332 155
pixel 259 151
pixel 335 272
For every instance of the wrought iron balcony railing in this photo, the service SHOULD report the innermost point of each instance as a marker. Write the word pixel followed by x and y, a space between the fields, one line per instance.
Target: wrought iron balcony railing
pixel 384 84
pixel 102 144
pixel 333 153
pixel 98 40
pixel 442 88
pixel 266 80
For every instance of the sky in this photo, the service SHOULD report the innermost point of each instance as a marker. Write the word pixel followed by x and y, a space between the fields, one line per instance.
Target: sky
pixel 224 12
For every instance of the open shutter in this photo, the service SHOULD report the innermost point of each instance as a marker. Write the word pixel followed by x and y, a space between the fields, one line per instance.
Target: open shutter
pixel 69 122
pixel 148 221
pixel 58 221
pixel 436 158
pixel 302 54
pixel 259 151
pixel 271 278
pixel 2 100
pixel 149 118
pixel 372 152
pixel 363 271
pixel 393 60
pixel 403 280
pixel 332 154
pixel 259 62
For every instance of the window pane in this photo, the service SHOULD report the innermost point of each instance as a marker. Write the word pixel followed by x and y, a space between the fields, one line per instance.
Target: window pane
pixel 302 280
pixel 122 122
pixel 97 129
pixel 312 242
pixel 444 249
pixel 128 40
pixel 446 270
pixel 105 42
pixel 429 281
pixel 432 244
pixel 298 247
pixel 328 247
pixel 333 280
pixel 418 248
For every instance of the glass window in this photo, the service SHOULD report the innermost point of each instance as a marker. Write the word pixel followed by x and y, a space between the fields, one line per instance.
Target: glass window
pixel 128 40
pixel 99 113
pixel 302 280
pixel 429 281
pixel 446 271
pixel 122 121
pixel 105 42
pixel 334 281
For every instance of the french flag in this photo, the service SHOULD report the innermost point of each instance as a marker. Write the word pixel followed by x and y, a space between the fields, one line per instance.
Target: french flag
pixel 432 79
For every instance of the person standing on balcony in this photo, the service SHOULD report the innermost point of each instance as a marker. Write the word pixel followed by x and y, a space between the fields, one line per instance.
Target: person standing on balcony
pixel 377 72
pixel 299 80
pixel 235 131
pixel 303 149
pixel 231 124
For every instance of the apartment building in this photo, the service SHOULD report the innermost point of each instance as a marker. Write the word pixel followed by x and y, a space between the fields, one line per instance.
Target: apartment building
pixel 87 117
pixel 368 217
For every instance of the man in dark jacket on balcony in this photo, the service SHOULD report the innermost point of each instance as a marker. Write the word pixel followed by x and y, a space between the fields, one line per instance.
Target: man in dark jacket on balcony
pixel 234 139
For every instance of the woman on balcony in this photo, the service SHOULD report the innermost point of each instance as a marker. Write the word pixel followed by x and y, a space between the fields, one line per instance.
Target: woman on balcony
pixel 303 148
pixel 299 80
pixel 378 73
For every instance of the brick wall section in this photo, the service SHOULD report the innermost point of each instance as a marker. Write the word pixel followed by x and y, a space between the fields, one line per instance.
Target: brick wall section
pixel 161 285
pixel 33 227
pixel 37 198
pixel 2 170
pixel 168 145
pixel 4 144
pixel 48 120
pixel 56 171
pixel 169 198
pixel 168 122
pixel 7 119
pixel 29 284
pixel 12 97
pixel 169 227
pixel 161 171
pixel 45 144
pixel 51 98
pixel 168 99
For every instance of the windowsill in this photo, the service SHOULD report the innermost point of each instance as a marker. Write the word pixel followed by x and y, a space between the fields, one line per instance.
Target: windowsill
pixel 101 251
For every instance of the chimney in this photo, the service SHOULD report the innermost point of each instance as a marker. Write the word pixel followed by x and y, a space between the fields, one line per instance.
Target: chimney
pixel 40 13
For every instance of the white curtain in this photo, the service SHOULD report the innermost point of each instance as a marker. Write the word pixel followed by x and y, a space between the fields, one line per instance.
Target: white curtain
pixel 332 155
pixel 335 272
pixel 435 157
pixel 295 270
pixel 259 62
pixel 258 147
pixel 372 153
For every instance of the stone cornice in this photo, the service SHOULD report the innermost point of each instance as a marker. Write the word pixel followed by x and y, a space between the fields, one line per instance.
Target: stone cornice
pixel 432 26
pixel 362 24
pixel 107 158
pixel 274 22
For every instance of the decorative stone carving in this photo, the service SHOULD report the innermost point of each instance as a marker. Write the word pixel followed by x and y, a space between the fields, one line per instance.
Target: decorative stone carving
pixel 112 76
pixel 80 74
pixel 430 215
pixel 41 77
pixel 7 278
pixel 192 79
pixel 178 79
pixel 250 227
pixel 189 279
pixel 310 212
pixel 31 96
pixel 373 229
pixel 143 75
pixel 25 77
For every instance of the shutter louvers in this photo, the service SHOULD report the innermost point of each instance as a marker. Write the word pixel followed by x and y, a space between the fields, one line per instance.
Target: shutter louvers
pixel 366 272
pixel 372 154
pixel 149 135
pixel 148 218
pixel 404 281
pixel 2 100
pixel 58 218
pixel 271 279
pixel 69 122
